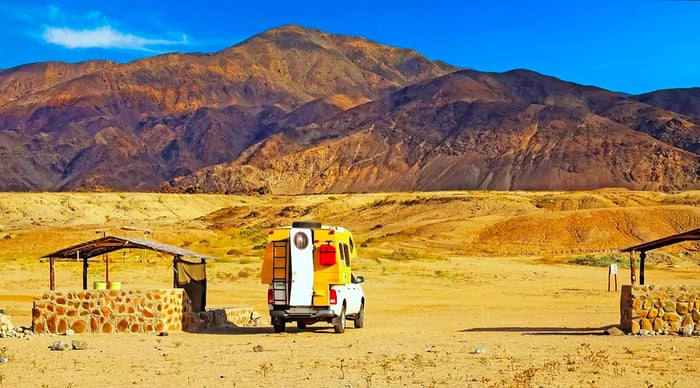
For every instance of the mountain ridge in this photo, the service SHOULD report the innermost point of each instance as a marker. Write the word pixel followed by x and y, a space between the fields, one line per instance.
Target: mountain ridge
pixel 299 110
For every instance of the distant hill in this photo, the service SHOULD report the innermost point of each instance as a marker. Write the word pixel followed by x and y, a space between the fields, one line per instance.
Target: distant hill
pixel 297 110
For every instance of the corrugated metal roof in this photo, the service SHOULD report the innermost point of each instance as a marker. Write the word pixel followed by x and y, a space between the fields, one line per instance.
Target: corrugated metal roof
pixel 689 235
pixel 108 244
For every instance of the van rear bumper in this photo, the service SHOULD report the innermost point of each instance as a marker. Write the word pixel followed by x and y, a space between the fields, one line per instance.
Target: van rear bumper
pixel 297 312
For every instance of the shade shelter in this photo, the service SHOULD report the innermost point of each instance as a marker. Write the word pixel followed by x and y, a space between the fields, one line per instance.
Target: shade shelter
pixel 189 268
pixel 690 235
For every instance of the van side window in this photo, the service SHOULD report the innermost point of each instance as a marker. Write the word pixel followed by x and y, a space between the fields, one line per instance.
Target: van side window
pixel 343 253
pixel 352 245
pixel 347 255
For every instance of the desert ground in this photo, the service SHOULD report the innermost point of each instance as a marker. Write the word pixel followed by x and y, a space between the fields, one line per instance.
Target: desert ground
pixel 480 289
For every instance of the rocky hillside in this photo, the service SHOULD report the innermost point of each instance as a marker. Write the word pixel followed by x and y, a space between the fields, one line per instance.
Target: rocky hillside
pixel 296 110
pixel 468 130
pixel 133 126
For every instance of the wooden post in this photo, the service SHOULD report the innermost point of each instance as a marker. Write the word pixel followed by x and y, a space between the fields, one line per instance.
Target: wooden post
pixel 85 270
pixel 175 271
pixel 52 273
pixel 642 256
pixel 633 269
pixel 107 269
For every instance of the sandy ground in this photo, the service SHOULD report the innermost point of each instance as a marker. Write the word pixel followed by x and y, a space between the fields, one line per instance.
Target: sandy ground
pixel 537 325
pixel 452 320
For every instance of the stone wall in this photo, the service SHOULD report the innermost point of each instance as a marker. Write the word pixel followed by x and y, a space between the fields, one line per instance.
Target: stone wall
pixel 111 311
pixel 660 310
pixel 221 318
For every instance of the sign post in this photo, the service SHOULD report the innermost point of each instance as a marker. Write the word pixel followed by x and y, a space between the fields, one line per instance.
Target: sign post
pixel 612 271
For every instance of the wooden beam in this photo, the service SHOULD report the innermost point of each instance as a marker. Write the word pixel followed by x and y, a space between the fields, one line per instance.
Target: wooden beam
pixel 642 256
pixel 633 269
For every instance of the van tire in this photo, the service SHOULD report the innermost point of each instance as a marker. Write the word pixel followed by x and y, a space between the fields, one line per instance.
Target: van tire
pixel 360 317
pixel 279 325
pixel 306 224
pixel 339 322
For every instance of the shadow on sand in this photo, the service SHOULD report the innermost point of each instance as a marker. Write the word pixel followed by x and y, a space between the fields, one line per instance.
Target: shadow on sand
pixel 543 330
pixel 257 330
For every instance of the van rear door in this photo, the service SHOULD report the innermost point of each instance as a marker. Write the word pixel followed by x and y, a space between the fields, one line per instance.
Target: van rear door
pixel 302 267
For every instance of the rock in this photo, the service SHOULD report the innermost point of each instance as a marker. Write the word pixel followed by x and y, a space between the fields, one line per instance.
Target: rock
pixel 6 327
pixel 614 331
pixel 163 334
pixel 70 332
pixel 479 351
pixel 635 326
pixel 257 348
pixel 60 346
pixel 79 344
pixel 255 318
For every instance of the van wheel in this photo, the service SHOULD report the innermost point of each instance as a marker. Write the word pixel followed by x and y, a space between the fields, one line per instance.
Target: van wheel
pixel 301 325
pixel 360 317
pixel 339 322
pixel 279 325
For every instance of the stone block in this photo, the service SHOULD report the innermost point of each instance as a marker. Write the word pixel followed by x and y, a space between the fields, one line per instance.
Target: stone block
pixel 669 306
pixel 62 325
pixel 671 317
pixel 635 326
pixel 636 304
pixel 79 326
pixel 682 308
pixel 687 321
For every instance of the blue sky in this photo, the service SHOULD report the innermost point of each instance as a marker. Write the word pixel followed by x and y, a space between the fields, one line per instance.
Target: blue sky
pixel 629 46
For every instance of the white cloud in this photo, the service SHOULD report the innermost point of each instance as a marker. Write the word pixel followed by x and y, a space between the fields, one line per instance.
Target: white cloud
pixel 91 29
pixel 105 37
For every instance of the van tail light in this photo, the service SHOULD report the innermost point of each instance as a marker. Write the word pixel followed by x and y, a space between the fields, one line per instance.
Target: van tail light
pixel 333 297
pixel 270 296
pixel 327 255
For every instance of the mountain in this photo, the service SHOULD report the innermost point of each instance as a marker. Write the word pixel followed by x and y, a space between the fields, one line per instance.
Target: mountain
pixel 296 110
pixel 467 130
pixel 133 126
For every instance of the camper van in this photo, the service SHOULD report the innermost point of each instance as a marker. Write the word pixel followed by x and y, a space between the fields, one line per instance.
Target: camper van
pixel 307 268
